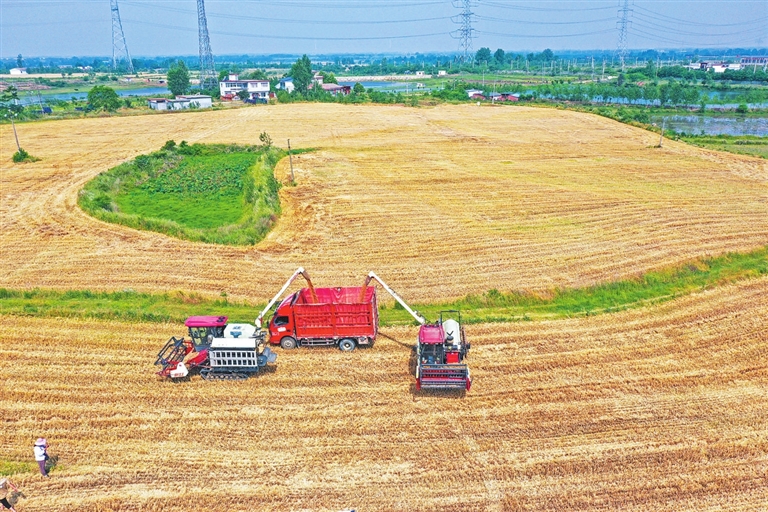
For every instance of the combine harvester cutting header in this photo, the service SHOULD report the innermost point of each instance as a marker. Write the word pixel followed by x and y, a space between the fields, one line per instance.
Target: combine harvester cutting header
pixel 343 316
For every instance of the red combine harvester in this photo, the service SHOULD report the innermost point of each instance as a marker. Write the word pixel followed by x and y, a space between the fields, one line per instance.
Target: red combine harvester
pixel 217 349
pixel 441 349
pixel 344 316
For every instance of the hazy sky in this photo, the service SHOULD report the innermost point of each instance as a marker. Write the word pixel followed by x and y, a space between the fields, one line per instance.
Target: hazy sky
pixel 67 28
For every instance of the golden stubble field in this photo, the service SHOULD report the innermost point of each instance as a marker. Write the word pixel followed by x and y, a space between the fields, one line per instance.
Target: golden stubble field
pixel 658 409
pixel 654 409
pixel 441 202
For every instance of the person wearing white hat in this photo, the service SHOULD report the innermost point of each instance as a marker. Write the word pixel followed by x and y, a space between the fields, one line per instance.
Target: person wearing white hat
pixel 4 485
pixel 41 456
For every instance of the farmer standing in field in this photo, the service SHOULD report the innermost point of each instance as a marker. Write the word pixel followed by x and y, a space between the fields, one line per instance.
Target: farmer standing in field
pixel 4 485
pixel 41 456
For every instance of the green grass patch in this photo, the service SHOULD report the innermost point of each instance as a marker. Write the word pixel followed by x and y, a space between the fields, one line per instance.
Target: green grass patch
pixel 491 306
pixel 743 144
pixel 9 467
pixel 223 194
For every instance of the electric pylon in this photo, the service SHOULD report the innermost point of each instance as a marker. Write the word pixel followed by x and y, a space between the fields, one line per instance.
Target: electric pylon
pixel 119 46
pixel 208 77
pixel 464 32
pixel 624 12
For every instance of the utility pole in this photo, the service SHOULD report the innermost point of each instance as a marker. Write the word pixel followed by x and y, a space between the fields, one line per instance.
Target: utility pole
pixel 290 160
pixel 661 137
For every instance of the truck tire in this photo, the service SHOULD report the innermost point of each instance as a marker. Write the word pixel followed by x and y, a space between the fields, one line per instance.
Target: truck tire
pixel 347 345
pixel 288 343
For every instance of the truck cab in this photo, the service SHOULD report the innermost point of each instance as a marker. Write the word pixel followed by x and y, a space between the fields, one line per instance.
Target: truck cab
pixel 281 325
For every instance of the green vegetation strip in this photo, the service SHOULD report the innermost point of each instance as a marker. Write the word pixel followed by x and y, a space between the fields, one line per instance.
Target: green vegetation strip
pixel 492 306
pixel 8 467
pixel 222 194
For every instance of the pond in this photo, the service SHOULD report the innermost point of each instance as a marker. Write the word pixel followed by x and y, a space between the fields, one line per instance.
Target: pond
pixel 389 86
pixel 31 98
pixel 711 125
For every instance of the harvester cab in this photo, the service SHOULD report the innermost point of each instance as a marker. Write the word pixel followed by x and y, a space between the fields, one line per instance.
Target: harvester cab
pixel 219 350
pixel 441 348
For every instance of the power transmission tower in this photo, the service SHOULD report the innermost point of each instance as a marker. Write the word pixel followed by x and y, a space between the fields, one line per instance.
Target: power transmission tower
pixel 208 77
pixel 464 32
pixel 119 46
pixel 623 22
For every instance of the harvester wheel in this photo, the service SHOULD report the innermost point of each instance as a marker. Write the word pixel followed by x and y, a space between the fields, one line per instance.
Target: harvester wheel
pixel 347 345
pixel 288 343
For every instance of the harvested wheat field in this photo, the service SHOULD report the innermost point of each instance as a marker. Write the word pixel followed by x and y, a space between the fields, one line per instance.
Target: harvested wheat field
pixel 660 409
pixel 441 202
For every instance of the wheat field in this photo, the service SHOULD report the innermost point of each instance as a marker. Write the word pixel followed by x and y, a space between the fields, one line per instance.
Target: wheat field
pixel 441 202
pixel 661 408
pixel 658 409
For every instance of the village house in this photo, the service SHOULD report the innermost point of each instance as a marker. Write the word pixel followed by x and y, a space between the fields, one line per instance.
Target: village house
pixel 286 84
pixel 181 102
pixel 258 90
pixel 336 89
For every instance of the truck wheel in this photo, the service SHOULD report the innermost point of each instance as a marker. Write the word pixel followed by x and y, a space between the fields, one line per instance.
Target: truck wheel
pixel 347 345
pixel 288 343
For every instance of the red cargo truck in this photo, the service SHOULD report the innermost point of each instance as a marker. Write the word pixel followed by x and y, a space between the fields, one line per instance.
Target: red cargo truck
pixel 343 317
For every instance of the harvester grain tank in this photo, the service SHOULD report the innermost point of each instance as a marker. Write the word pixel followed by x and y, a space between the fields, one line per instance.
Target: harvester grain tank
pixel 217 349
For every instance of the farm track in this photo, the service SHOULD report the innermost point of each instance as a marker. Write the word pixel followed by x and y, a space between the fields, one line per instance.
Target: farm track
pixel 659 408
pixel 653 409
pixel 441 202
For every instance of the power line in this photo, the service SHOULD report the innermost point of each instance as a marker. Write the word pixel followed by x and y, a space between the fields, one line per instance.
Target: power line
pixel 289 37
pixel 523 36
pixel 503 20
pixel 292 20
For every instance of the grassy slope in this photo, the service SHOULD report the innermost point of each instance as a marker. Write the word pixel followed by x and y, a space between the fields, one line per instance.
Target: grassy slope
pixel 493 306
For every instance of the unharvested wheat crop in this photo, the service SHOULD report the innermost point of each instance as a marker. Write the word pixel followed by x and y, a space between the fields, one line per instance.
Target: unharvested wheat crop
pixel 440 201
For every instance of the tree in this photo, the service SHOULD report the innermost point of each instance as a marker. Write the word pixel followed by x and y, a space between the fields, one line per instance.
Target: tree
pixel 178 78
pixel 19 62
pixel 499 56
pixel 101 97
pixel 328 78
pixel 358 88
pixel 301 71
pixel 483 55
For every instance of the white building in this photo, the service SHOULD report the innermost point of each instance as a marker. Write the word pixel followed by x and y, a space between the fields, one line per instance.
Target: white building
pixel 18 71
pixel 257 89
pixel 286 84
pixel 181 102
